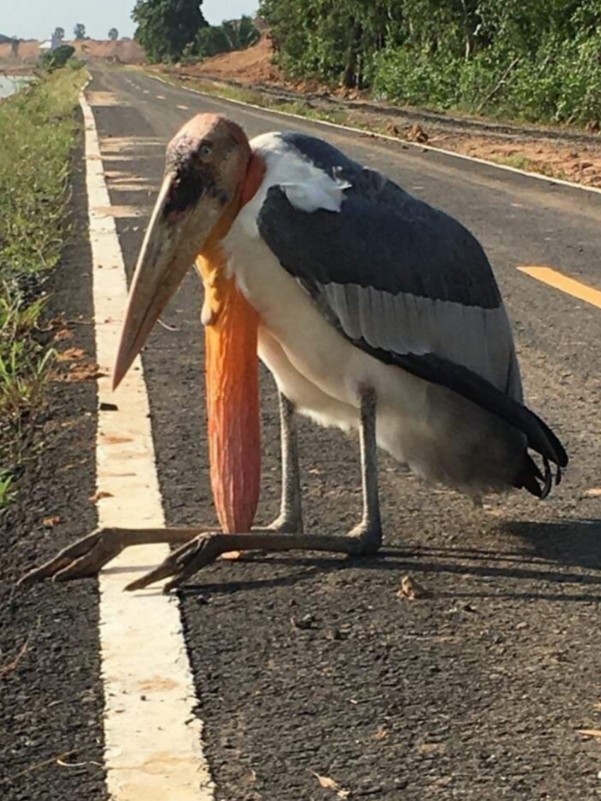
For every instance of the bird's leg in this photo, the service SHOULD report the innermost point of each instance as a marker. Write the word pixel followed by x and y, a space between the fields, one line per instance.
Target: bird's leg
pixel 290 518
pixel 365 538
pixel 370 526
pixel 89 554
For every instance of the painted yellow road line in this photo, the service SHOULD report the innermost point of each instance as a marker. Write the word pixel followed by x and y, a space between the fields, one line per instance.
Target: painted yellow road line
pixel 152 737
pixel 562 282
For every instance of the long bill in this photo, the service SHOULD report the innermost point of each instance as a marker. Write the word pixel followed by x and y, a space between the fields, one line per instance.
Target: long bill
pixel 189 221
pixel 172 242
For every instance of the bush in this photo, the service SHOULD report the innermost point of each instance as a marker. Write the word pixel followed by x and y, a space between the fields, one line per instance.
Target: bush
pixel 55 59
pixel 560 82
pixel 536 60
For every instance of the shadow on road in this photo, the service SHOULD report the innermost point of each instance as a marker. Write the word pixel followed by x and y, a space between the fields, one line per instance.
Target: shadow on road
pixel 553 562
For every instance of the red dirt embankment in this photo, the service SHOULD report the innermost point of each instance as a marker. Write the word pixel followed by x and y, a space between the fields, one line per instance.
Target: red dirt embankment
pixel 249 66
pixel 119 52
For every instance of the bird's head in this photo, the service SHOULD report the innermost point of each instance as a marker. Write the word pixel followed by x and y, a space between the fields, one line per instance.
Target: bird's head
pixel 206 169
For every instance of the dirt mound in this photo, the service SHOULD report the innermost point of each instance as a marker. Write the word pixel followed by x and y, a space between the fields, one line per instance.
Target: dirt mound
pixel 252 65
pixel 119 52
pixel 27 51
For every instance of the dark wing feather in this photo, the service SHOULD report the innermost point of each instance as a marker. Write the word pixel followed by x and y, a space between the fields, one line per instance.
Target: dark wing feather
pixel 408 284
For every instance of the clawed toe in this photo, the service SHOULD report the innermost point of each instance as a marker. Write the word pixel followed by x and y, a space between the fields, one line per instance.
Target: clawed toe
pixel 183 562
pixel 82 559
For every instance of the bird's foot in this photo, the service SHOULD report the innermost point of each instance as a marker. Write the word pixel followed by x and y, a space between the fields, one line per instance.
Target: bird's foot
pixel 209 546
pixel 82 559
pixel 91 553
pixel 368 535
pixel 287 524
pixel 185 561
pixel 198 549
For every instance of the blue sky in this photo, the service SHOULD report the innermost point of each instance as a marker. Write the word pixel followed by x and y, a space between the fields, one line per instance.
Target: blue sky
pixel 36 19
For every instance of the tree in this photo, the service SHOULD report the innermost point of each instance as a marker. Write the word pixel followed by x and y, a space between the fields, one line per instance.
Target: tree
pixel 165 27
pixel 211 41
pixel 241 33
pixel 113 34
pixel 59 34
pixel 79 31
pixel 55 59
pixel 237 34
pixel 334 39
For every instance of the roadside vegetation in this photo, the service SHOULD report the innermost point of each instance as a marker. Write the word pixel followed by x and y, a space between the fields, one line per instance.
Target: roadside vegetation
pixel 175 30
pixel 536 61
pixel 37 130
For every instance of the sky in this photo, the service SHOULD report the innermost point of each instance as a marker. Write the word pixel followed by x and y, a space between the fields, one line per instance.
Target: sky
pixel 36 19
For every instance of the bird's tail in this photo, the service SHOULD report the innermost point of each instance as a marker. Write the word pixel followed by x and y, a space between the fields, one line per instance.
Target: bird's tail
pixel 539 437
pixel 534 480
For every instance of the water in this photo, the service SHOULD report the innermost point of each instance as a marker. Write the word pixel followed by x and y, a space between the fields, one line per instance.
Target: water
pixel 9 84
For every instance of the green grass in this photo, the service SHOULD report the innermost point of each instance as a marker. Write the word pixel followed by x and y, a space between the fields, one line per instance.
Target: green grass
pixel 37 131
pixel 528 165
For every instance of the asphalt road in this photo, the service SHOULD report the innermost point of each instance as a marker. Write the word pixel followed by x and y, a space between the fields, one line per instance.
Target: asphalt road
pixel 306 665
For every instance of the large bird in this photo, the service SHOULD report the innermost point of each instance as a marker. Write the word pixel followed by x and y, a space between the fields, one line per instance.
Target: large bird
pixel 372 310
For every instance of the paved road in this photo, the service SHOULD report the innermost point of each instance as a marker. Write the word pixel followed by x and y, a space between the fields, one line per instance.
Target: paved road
pixel 475 692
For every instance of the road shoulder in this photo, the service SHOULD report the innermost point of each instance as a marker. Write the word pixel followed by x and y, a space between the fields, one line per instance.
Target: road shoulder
pixel 51 697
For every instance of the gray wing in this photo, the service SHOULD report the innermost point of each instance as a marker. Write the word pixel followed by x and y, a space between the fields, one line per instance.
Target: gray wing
pixel 397 275
pixel 406 283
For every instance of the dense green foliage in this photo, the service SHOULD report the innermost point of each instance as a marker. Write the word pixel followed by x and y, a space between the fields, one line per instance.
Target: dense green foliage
pixel 167 28
pixel 538 60
pixel 55 59
pixel 37 128
pixel 230 35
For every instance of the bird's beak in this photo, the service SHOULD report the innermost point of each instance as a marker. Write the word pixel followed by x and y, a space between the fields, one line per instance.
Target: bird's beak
pixel 171 245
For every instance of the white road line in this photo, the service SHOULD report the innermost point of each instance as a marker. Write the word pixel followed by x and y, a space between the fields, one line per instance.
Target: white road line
pixel 152 737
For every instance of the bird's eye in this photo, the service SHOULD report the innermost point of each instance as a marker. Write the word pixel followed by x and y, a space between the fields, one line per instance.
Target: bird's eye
pixel 205 149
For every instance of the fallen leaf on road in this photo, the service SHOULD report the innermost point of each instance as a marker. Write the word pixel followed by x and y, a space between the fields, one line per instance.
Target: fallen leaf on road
pixel 98 496
pixel 304 623
pixel 11 666
pixel 381 733
pixel 590 732
pixel 61 760
pixel 329 784
pixel 51 522
pixel 431 748
pixel 63 334
pixel 85 372
pixel 71 354
pixel 114 439
pixel 593 492
pixel 412 589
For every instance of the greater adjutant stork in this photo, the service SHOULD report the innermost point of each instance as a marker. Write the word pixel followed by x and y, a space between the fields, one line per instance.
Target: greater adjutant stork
pixel 372 310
